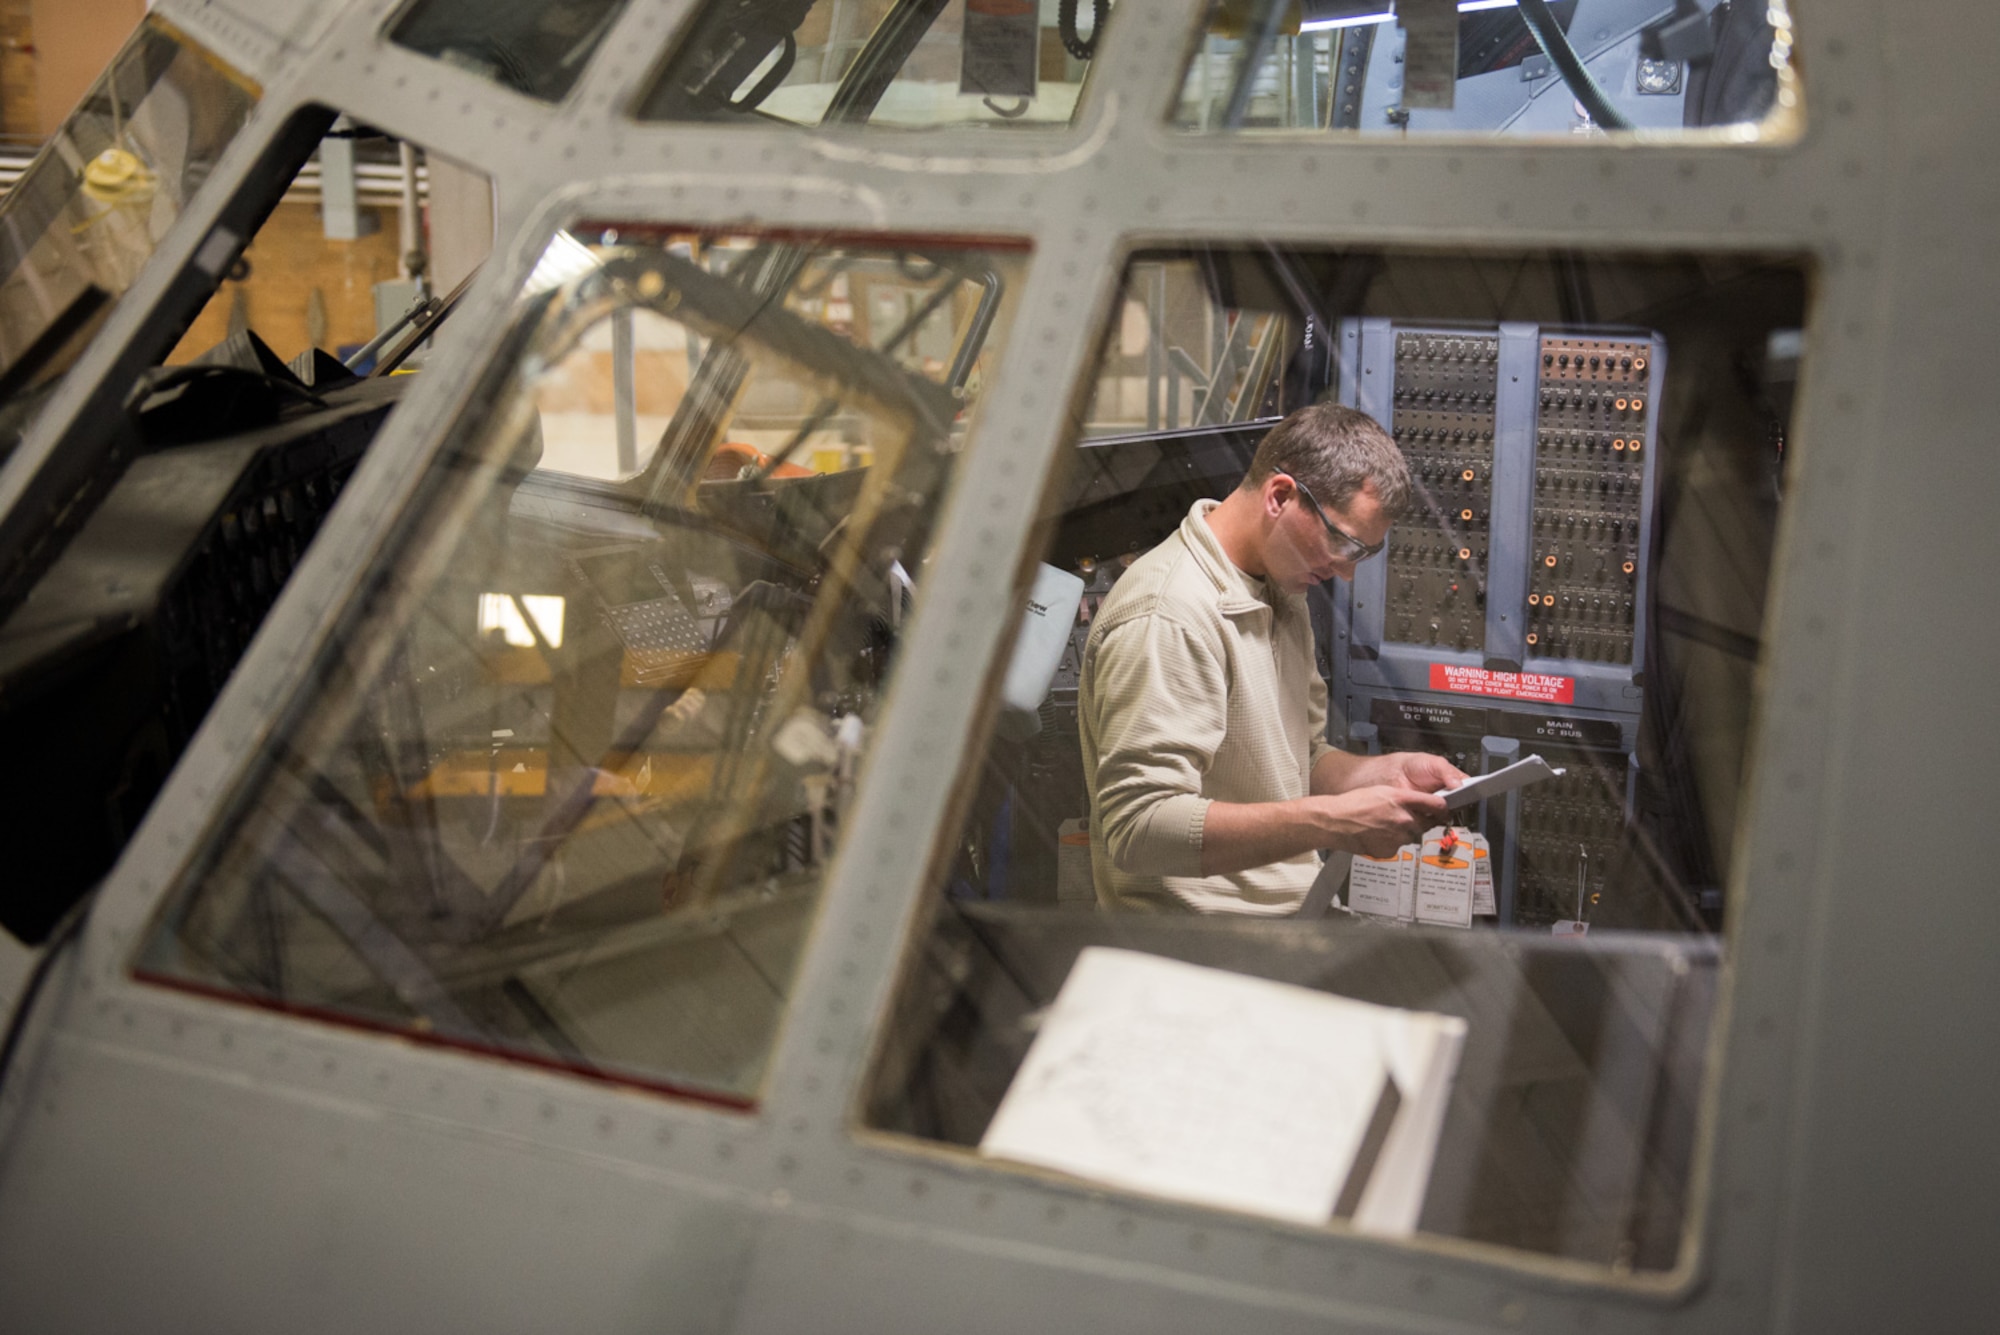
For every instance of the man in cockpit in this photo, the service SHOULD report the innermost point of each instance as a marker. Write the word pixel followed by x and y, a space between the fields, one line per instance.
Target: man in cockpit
pixel 1203 716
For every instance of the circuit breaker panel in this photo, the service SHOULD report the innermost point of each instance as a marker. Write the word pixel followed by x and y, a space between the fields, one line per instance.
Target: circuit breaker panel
pixel 1590 473
pixel 1445 389
pixel 1506 616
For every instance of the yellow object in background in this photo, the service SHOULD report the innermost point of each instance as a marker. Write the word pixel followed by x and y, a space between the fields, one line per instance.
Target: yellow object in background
pixel 117 176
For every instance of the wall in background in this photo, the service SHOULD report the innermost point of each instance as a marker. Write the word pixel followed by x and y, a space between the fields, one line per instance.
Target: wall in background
pixel 290 260
pixel 73 41
pixel 20 114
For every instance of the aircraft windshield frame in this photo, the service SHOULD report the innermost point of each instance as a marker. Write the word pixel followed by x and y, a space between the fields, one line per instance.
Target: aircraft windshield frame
pixel 558 825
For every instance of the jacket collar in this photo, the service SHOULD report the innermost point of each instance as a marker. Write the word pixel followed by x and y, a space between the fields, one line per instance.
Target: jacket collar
pixel 1237 591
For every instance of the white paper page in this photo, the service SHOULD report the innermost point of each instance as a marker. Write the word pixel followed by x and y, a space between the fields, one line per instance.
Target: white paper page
pixel 1382 886
pixel 1424 1060
pixel 1199 1084
pixel 1484 787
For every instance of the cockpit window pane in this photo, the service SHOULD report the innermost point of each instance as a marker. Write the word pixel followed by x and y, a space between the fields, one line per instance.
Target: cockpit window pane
pixel 1177 357
pixel 567 785
pixel 537 47
pixel 98 199
pixel 907 63
pixel 1719 71
pixel 1340 528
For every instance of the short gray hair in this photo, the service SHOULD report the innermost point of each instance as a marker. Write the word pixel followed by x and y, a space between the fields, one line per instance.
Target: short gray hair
pixel 1335 451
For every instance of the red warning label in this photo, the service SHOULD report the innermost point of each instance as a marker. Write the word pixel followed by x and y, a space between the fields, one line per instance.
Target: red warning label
pixel 1535 686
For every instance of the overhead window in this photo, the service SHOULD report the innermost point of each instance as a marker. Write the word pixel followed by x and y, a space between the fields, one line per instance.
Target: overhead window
pixel 89 212
pixel 568 782
pixel 536 47
pixel 907 63
pixel 1497 1027
pixel 1655 68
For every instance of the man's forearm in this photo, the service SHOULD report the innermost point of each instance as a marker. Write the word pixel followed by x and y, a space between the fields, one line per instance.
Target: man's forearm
pixel 1374 819
pixel 1236 836
pixel 1334 772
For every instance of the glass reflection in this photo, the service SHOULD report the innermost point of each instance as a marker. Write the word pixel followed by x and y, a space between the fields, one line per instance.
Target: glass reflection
pixel 98 199
pixel 568 785
pixel 1540 67
pixel 537 47
pixel 909 63
pixel 1593 448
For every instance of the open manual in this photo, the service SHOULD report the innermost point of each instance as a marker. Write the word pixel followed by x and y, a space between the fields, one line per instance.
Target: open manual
pixel 1212 1087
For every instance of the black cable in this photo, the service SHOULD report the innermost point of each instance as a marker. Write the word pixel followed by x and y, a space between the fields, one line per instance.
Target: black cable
pixel 66 931
pixel 1555 45
pixel 1074 42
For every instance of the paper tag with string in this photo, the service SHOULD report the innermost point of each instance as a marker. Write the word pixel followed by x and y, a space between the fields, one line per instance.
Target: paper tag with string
pixel 1444 879
pixel 1384 887
pixel 1483 902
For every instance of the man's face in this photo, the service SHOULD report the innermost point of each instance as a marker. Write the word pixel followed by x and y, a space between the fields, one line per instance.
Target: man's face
pixel 1302 552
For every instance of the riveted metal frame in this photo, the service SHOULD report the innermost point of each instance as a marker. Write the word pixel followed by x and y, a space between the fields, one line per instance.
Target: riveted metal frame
pixel 1086 196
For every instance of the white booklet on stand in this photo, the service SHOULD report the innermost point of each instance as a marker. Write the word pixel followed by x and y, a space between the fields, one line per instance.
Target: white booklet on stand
pixel 1222 1089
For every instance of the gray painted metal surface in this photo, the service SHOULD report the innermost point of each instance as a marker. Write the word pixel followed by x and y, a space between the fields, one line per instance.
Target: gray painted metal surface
pixel 172 1163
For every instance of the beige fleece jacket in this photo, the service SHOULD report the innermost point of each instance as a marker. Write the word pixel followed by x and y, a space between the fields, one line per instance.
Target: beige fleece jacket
pixel 1198 686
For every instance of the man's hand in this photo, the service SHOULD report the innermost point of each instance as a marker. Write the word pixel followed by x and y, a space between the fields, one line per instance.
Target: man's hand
pixel 1419 770
pixel 1381 818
